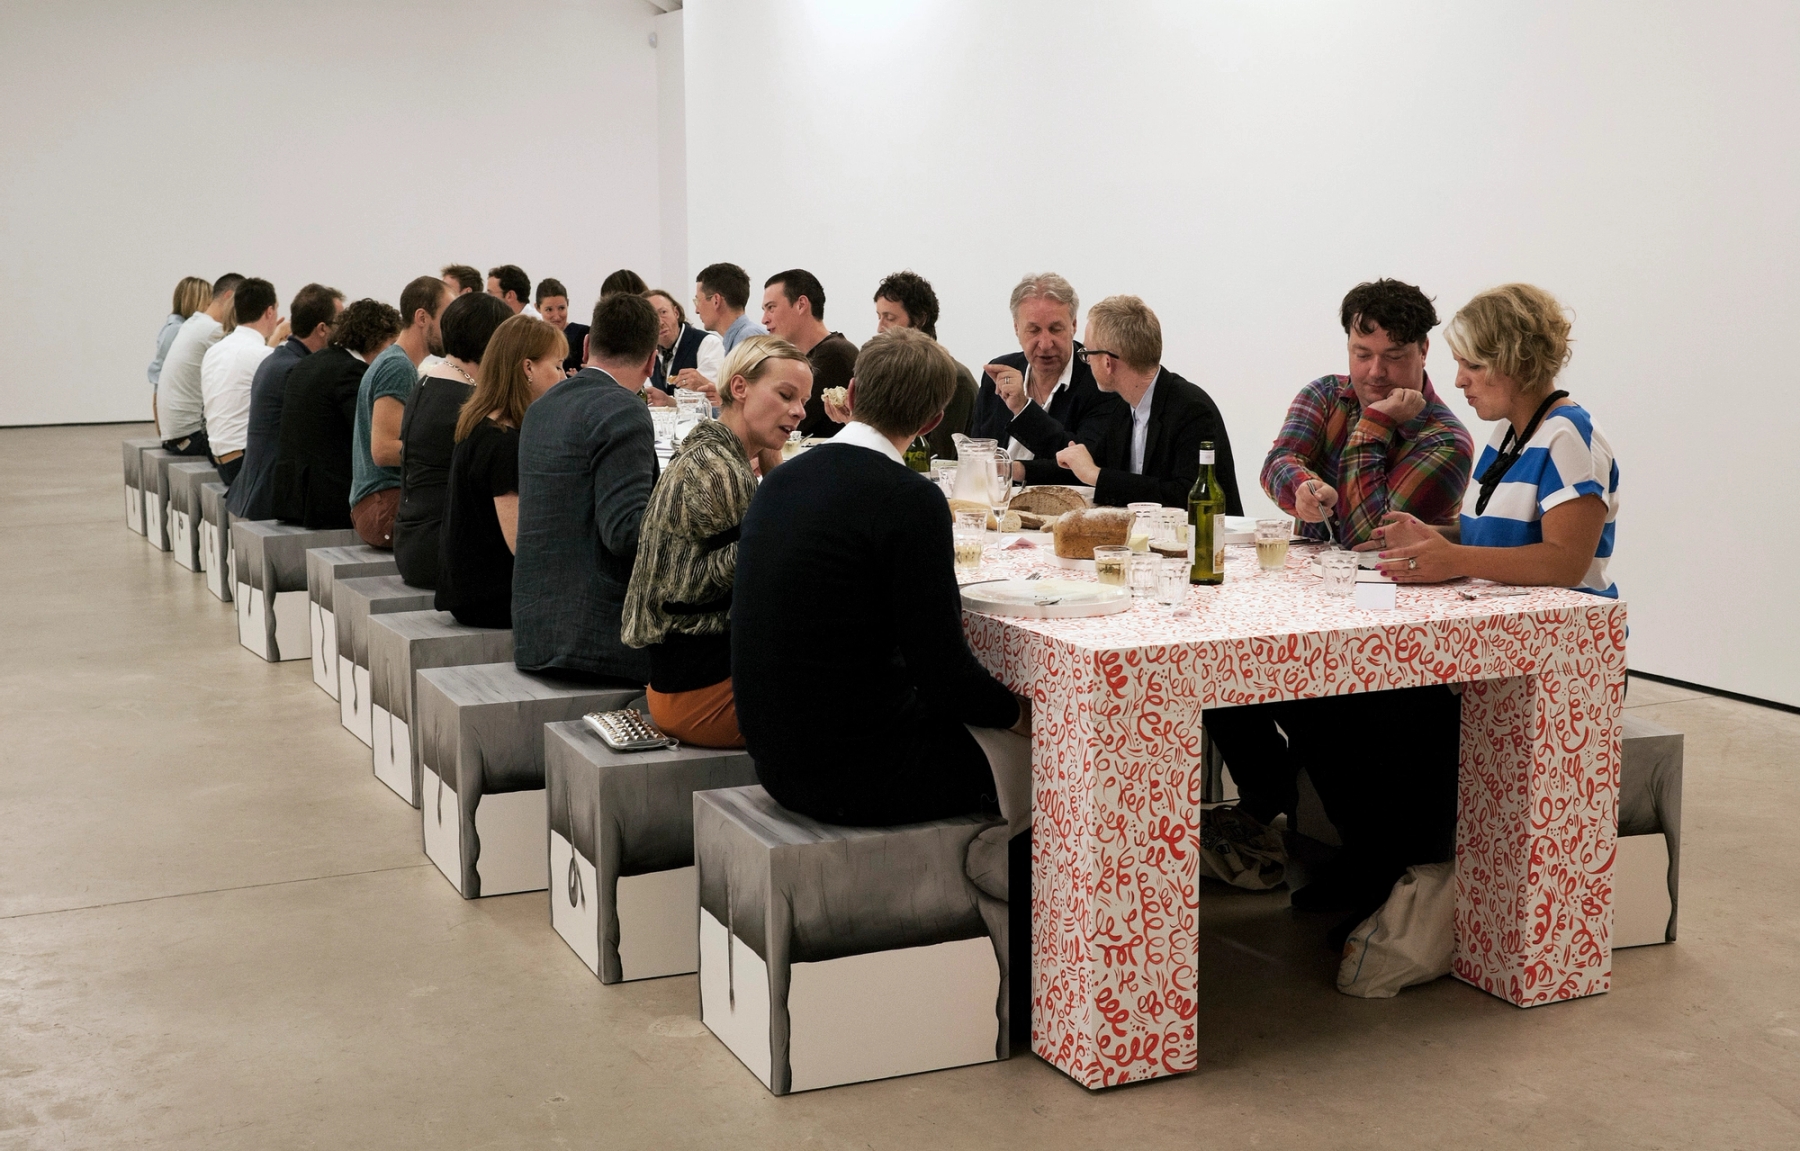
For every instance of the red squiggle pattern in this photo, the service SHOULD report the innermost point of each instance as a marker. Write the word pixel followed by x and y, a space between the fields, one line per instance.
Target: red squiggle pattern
pixel 1116 759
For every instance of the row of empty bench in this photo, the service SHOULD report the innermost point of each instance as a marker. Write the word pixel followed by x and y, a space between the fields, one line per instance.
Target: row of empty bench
pixel 826 954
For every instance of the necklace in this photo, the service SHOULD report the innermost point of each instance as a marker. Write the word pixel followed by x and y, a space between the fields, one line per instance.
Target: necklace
pixel 457 368
pixel 1512 446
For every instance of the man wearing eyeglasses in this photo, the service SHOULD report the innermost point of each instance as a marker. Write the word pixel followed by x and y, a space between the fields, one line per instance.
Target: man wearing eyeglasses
pixel 313 312
pixel 1150 447
pixel 1038 400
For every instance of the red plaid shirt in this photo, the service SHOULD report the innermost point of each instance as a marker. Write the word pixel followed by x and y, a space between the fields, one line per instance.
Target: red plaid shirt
pixel 1376 465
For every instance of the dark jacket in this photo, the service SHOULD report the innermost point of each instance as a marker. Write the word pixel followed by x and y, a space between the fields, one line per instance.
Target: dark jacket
pixel 848 659
pixel 833 363
pixel 1181 416
pixel 587 462
pixel 1077 413
pixel 318 417
pixel 958 414
pixel 253 492
pixel 685 354
pixel 576 334
pixel 427 440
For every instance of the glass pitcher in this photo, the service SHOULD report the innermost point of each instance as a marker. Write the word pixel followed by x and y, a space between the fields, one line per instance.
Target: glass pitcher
pixel 975 471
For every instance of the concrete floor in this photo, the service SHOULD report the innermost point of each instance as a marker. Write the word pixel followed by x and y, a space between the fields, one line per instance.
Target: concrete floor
pixel 217 930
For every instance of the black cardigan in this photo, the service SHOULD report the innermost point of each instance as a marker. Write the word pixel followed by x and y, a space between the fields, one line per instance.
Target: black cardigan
pixel 1077 413
pixel 1181 416
pixel 846 629
pixel 318 416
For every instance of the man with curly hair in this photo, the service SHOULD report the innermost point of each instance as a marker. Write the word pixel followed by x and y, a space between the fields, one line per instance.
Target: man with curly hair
pixel 1358 446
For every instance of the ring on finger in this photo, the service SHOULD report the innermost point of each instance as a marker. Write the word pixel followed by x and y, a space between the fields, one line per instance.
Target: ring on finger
pixel 1412 563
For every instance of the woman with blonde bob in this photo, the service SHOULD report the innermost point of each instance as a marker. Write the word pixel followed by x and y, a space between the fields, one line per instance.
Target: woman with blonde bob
pixel 191 295
pixel 678 603
pixel 523 360
pixel 1540 511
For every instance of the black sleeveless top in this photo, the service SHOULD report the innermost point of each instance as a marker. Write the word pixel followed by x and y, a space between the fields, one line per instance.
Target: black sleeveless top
pixel 427 437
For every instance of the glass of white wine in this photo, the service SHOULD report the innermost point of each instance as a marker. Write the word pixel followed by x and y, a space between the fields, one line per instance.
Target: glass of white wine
pixel 1272 543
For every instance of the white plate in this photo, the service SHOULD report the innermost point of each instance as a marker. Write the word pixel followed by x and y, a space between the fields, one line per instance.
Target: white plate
pixel 1046 598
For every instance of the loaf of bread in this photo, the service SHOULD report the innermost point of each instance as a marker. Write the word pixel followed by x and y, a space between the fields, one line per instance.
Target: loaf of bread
pixel 1078 533
pixel 1049 500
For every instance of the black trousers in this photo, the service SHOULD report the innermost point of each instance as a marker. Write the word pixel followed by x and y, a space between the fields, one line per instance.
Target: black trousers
pixel 1384 764
pixel 190 445
pixel 933 769
pixel 228 471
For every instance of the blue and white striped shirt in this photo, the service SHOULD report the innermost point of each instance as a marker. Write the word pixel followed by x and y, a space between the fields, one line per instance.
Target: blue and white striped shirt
pixel 1567 458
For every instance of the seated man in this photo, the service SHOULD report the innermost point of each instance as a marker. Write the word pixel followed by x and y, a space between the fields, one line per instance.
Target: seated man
pixel 1378 440
pixel 794 309
pixel 227 370
pixel 1353 449
pixel 381 406
pixel 318 417
pixel 1149 448
pixel 180 413
pixel 852 677
pixel 1039 400
pixel 314 310
pixel 587 462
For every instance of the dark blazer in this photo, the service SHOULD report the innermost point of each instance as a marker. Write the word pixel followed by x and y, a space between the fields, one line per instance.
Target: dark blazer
pixel 587 462
pixel 1078 413
pixel 685 354
pixel 575 334
pixel 1181 416
pixel 318 416
pixel 849 667
pixel 252 493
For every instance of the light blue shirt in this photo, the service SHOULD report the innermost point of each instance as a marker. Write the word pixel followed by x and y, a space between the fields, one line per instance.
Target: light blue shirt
pixel 742 328
pixel 163 339
pixel 1140 426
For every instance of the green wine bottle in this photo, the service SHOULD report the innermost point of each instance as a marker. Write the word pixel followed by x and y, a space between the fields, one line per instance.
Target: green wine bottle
pixel 918 455
pixel 1206 523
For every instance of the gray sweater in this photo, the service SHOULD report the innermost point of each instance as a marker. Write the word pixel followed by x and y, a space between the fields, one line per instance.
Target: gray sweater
pixel 587 463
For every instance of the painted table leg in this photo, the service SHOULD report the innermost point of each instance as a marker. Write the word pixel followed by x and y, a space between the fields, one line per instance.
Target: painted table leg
pixel 1537 828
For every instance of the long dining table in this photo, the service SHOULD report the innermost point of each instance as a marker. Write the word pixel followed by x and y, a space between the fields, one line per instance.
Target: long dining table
pixel 1118 775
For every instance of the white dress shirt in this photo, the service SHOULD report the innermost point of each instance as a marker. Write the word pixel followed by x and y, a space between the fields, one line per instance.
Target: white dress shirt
pixel 225 375
pixel 709 357
pixel 1140 426
pixel 178 408
pixel 1018 452
pixel 861 435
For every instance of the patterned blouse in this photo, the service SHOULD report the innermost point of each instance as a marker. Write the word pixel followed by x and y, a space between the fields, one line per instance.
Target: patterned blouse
pixel 687 546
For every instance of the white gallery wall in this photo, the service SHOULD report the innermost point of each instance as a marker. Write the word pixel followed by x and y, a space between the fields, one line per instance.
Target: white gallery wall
pixel 1241 164
pixel 357 144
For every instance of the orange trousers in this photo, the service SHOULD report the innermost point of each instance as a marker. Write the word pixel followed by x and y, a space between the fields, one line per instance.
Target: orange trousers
pixel 704 717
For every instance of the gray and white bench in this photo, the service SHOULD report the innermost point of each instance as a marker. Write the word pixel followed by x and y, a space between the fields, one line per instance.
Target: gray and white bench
pixel 1647 869
pixel 833 955
pixel 215 541
pixel 323 566
pixel 622 879
pixel 185 480
pixel 156 464
pixel 481 770
pixel 354 601
pixel 401 644
pixel 269 583
pixel 134 482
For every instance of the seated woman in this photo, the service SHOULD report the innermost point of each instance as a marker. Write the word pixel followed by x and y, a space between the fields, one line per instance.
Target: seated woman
pixel 522 361
pixel 678 603
pixel 1540 511
pixel 428 432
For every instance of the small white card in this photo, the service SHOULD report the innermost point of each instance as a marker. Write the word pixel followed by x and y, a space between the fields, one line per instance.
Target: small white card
pixel 1376 596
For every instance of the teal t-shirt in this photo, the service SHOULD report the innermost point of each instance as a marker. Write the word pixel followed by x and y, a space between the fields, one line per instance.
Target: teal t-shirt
pixel 392 374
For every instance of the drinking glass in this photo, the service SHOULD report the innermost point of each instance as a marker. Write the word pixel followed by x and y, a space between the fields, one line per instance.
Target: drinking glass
pixel 693 406
pixel 1003 481
pixel 1272 543
pixel 1339 571
pixel 1172 583
pixel 1144 571
pixel 1143 525
pixel 970 534
pixel 663 421
pixel 946 476
pixel 1172 525
pixel 1110 564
